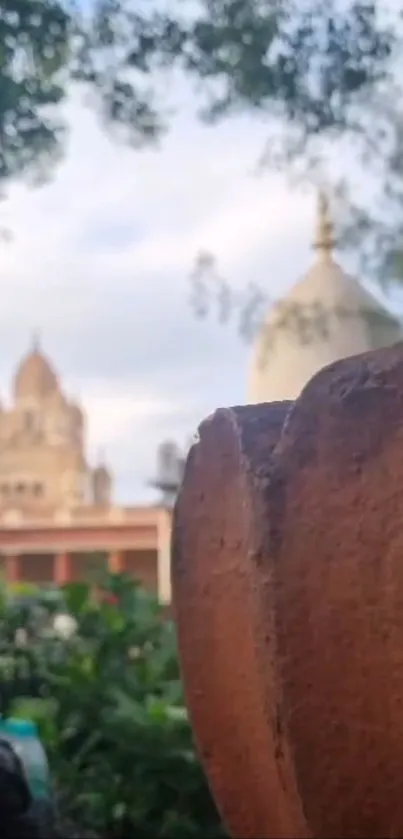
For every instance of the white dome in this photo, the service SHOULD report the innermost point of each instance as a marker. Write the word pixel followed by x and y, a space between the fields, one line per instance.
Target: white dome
pixel 327 315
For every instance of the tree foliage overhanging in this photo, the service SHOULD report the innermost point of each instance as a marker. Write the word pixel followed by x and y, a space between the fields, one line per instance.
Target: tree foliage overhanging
pixel 324 76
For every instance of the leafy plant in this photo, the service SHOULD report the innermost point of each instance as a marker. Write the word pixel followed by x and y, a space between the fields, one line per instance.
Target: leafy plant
pixel 108 701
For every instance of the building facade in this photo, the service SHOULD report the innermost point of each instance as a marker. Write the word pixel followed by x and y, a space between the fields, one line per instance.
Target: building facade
pixel 58 521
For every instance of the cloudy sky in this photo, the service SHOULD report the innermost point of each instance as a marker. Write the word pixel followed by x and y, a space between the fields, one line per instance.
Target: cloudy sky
pixel 100 263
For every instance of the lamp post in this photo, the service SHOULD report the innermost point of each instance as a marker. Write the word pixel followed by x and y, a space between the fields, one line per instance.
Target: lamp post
pixel 169 472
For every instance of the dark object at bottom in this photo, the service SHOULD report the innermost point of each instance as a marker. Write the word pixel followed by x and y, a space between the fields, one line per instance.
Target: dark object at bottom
pixel 15 796
pixel 22 827
pixel 38 822
pixel 21 817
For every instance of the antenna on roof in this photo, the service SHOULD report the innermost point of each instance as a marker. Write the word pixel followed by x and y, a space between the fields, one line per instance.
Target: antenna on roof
pixel 170 465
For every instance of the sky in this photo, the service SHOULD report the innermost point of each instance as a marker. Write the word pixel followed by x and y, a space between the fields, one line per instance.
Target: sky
pixel 99 265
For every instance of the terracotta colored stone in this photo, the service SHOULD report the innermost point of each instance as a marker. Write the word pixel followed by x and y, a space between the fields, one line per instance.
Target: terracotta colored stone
pixel 336 509
pixel 288 587
pixel 218 515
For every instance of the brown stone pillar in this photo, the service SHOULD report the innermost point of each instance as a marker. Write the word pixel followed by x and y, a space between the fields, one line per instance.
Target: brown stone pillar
pixel 13 568
pixel 116 562
pixel 62 569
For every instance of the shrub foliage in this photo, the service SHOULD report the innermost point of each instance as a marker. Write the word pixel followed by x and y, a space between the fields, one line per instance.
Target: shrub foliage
pixel 108 700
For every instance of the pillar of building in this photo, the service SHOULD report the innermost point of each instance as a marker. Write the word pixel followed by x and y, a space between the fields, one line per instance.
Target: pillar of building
pixel 116 562
pixel 12 568
pixel 62 571
pixel 164 556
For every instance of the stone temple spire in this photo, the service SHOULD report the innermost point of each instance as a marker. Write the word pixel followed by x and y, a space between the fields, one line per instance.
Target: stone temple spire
pixel 324 241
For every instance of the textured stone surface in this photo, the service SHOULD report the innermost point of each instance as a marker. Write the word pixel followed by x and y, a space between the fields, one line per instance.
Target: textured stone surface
pixel 219 514
pixel 336 509
pixel 288 585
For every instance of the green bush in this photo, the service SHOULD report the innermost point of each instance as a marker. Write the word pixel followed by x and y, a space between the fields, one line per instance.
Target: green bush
pixel 109 704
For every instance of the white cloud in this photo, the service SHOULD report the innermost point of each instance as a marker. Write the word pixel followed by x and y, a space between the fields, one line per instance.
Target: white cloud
pixel 100 263
pixel 112 412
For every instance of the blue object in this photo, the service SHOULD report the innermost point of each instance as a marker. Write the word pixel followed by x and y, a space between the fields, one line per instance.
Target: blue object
pixel 19 728
pixel 24 739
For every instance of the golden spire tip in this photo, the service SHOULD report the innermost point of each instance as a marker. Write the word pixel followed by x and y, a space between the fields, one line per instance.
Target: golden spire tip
pixel 324 240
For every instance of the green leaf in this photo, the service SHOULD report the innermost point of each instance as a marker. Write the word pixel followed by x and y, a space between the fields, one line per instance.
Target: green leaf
pixel 77 598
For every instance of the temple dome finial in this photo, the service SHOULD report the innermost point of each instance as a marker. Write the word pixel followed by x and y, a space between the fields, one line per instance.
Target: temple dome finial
pixel 326 315
pixel 324 241
pixel 36 341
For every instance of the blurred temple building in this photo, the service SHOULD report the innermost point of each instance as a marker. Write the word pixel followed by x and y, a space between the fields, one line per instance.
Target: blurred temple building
pixel 58 521
pixel 326 316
